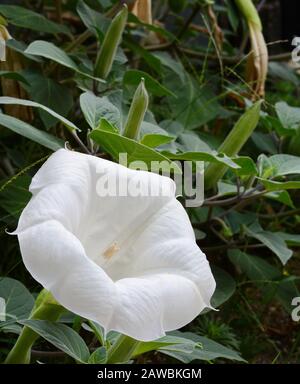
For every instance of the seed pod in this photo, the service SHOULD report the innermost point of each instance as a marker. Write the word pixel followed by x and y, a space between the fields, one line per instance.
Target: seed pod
pixel 110 44
pixel 4 36
pixel 257 64
pixel 137 111
pixel 142 10
pixel 233 143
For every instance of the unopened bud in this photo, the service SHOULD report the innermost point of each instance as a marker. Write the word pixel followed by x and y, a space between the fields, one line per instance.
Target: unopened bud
pixel 110 44
pixel 233 143
pixel 137 111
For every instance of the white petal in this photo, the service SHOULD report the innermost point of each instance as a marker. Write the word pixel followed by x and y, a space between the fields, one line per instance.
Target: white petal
pixel 57 260
pixel 153 304
pixel 166 243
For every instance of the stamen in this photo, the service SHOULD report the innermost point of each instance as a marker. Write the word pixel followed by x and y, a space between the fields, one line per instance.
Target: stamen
pixel 111 251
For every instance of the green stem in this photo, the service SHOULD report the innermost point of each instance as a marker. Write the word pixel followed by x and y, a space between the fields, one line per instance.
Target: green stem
pixel 47 309
pixel 122 350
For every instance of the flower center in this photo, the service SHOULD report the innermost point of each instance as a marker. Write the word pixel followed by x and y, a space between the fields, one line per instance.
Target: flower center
pixel 110 251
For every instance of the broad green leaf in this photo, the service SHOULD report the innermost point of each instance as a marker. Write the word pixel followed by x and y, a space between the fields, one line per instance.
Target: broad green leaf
pixel 96 108
pixel 20 46
pixel 284 72
pixel 14 195
pixel 149 58
pixel 282 197
pixel 50 51
pixel 92 19
pixel 62 337
pixel 166 60
pixel 247 166
pixel 105 125
pixel 279 165
pixel 165 343
pixel 288 116
pixel 151 27
pixel 29 103
pixel 270 240
pixel 191 142
pixel 115 144
pixel 133 77
pixel 225 189
pixel 47 92
pixel 263 273
pixel 271 185
pixel 254 267
pixel 14 76
pixel 18 300
pixel 289 238
pixel 225 287
pixel 32 133
pixel 207 350
pixel 25 18
pixel 287 289
pixel 194 105
pixel 155 140
pixel 99 356
pixel 212 157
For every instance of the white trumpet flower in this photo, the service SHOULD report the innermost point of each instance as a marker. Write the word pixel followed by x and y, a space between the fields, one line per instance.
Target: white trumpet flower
pixel 130 263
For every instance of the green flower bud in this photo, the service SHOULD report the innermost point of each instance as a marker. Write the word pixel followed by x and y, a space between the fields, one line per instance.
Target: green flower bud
pixel 137 111
pixel 233 143
pixel 110 44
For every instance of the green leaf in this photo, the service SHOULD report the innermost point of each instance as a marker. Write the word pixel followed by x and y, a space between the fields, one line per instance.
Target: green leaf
pixel 96 108
pixel 155 140
pixel 247 166
pixel 282 197
pixel 211 157
pixel 151 27
pixel 92 19
pixel 225 287
pixel 272 185
pixel 50 51
pixel 29 103
pixel 99 356
pixel 289 238
pixel 279 165
pixel 254 267
pixel 149 58
pixel 25 18
pixel 14 195
pixel 115 144
pixel 270 240
pixel 20 46
pixel 191 142
pixel 18 300
pixel 47 92
pixel 194 105
pixel 166 60
pixel 168 342
pixel 207 350
pixel 262 272
pixel 32 133
pixel 62 337
pixel 288 116
pixel 133 78
pixel 14 76
pixel 284 72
